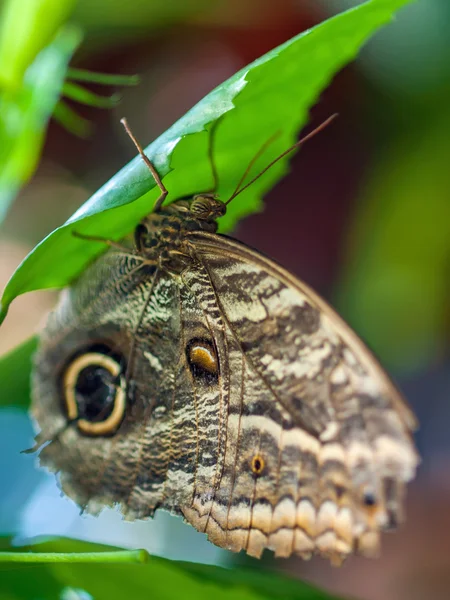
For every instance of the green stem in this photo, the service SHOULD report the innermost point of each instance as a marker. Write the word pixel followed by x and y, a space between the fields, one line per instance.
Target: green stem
pixel 69 119
pixel 79 94
pixel 119 556
pixel 102 78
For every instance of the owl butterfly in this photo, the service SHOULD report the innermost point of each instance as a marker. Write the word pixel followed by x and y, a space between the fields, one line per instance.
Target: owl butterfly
pixel 184 370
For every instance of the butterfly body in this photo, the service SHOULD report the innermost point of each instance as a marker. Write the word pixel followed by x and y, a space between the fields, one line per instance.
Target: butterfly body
pixel 188 372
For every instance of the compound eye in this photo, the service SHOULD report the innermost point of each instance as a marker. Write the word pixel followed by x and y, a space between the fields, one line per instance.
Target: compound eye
pixel 201 206
pixel 94 393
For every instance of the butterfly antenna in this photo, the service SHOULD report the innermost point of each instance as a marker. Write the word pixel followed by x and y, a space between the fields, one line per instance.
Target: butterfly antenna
pixel 149 164
pixel 296 145
pixel 250 165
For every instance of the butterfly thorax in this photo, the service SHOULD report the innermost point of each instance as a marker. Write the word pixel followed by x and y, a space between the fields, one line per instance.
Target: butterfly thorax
pixel 161 236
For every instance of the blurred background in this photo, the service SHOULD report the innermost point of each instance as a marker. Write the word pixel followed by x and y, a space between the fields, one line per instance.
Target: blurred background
pixel 363 217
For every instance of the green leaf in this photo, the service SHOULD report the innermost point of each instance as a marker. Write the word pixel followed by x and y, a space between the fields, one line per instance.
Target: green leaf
pixel 25 111
pixel 271 95
pixel 158 578
pixel 15 369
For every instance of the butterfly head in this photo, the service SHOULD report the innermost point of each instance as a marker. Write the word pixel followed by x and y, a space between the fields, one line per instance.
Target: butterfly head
pixel 207 207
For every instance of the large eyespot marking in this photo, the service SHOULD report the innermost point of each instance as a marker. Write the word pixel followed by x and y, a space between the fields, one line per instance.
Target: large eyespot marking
pixel 202 359
pixel 94 393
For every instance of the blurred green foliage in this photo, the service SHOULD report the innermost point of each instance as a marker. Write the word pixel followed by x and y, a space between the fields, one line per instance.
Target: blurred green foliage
pixel 27 101
pixel 106 20
pixel 36 46
pixel 395 287
pixel 26 27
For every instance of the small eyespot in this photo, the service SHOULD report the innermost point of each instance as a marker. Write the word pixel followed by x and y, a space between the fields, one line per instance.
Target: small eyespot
pixel 369 499
pixel 340 491
pixel 202 359
pixel 257 464
pixel 94 393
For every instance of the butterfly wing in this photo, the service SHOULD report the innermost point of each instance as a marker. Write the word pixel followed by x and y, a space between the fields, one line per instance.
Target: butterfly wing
pixel 318 445
pixel 250 407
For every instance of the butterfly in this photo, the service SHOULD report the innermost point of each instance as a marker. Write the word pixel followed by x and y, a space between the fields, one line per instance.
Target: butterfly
pixel 185 371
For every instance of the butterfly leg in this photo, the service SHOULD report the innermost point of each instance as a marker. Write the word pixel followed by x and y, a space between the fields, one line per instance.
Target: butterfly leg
pixel 102 240
pixel 158 202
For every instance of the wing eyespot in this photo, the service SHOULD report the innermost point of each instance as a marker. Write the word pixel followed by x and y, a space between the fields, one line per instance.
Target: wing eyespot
pixel 94 392
pixel 369 499
pixel 257 465
pixel 203 360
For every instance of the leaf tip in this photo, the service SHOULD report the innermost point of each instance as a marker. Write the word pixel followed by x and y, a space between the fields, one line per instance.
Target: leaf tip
pixel 3 311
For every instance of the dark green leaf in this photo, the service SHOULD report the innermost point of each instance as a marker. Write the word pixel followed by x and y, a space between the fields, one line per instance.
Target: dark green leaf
pixel 158 578
pixel 15 369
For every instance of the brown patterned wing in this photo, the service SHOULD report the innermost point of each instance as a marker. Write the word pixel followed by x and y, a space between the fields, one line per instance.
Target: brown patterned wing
pixel 315 440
